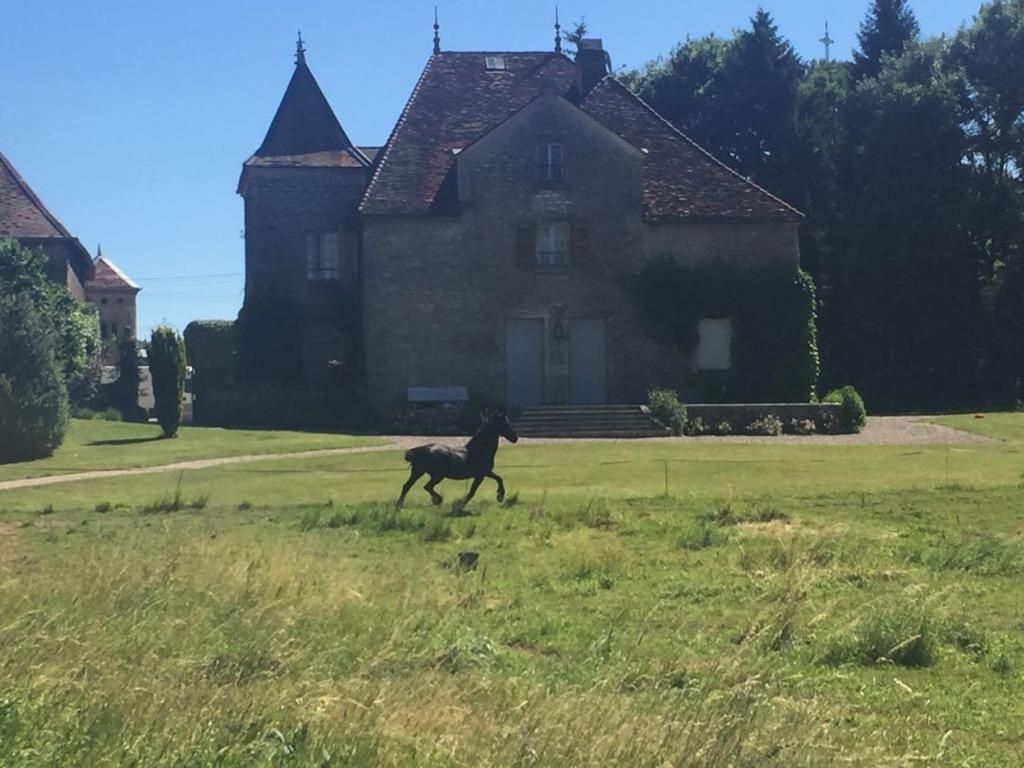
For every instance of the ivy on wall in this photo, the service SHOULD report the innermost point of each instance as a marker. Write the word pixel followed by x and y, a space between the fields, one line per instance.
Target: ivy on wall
pixel 774 321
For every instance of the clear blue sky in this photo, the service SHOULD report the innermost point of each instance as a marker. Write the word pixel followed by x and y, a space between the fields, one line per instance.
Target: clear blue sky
pixel 131 119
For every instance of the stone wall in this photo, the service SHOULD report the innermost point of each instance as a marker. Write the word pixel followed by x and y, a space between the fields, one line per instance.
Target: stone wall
pixel 282 206
pixel 272 406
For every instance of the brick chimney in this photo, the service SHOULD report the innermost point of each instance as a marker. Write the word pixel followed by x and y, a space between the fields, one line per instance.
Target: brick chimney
pixel 592 64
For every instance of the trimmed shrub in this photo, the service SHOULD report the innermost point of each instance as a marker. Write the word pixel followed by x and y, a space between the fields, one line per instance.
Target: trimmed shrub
pixel 666 408
pixel 210 348
pixel 33 396
pixel 852 413
pixel 695 427
pixel 766 426
pixel 801 427
pixel 126 388
pixel 167 365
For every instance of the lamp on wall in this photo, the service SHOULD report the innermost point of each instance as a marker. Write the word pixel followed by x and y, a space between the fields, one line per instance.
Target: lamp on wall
pixel 559 332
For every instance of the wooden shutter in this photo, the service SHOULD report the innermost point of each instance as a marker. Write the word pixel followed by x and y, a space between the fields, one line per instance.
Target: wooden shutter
pixel 580 244
pixel 526 246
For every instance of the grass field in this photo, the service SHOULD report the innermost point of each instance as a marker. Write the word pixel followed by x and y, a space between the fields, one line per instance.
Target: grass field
pixel 97 445
pixel 781 605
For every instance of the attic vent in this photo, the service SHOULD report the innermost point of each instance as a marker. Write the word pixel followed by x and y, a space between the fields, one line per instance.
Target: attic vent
pixel 494 63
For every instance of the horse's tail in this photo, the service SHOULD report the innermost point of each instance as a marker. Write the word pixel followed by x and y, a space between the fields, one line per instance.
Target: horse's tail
pixel 413 453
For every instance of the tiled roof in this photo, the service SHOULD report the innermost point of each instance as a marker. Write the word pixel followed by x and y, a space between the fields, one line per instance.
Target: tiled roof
pixel 305 123
pixel 22 213
pixel 457 100
pixel 106 275
pixel 681 180
pixel 341 158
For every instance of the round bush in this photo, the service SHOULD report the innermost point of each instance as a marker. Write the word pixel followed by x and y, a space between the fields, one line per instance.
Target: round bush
pixel 666 408
pixel 33 396
pixel 852 413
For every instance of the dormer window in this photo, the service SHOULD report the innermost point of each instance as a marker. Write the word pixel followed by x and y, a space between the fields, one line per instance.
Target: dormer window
pixel 552 167
pixel 494 63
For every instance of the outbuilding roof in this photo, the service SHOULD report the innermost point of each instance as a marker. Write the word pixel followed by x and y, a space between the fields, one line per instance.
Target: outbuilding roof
pixel 107 276
pixel 25 217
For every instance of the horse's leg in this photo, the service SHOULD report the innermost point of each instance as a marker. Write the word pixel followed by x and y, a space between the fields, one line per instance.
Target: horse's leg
pixel 436 497
pixel 473 487
pixel 414 475
pixel 501 485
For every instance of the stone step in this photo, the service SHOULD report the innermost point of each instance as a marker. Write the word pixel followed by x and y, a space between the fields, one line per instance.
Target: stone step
pixel 588 421
pixel 623 419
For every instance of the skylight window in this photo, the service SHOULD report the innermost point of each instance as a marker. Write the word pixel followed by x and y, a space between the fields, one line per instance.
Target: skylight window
pixel 495 63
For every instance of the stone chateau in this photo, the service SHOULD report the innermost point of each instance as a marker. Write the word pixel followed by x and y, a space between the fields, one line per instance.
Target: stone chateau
pixel 483 249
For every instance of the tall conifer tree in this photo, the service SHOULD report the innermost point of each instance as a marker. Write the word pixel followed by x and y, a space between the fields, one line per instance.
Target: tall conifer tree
pixel 889 26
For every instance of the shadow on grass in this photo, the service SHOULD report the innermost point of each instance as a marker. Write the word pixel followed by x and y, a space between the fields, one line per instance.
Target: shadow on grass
pixel 126 441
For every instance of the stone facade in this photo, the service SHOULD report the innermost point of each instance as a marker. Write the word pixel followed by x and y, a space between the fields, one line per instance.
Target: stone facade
pixel 284 207
pixel 500 224
pixel 439 291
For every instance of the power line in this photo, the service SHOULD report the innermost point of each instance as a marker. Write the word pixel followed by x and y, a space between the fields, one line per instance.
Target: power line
pixel 190 277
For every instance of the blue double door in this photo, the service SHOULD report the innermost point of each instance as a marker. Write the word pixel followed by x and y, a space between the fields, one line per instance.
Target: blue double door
pixel 525 362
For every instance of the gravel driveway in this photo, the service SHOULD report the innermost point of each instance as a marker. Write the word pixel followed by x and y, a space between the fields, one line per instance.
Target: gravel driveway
pixel 880 430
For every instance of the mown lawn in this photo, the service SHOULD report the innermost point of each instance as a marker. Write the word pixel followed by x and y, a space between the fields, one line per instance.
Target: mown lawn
pixel 92 445
pixel 781 606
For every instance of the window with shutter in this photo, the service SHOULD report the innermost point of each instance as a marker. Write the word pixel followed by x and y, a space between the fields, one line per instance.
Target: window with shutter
pixel 525 246
pixel 580 244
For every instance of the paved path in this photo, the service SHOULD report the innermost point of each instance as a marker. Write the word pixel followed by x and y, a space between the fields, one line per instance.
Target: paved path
pixel 97 474
pixel 880 430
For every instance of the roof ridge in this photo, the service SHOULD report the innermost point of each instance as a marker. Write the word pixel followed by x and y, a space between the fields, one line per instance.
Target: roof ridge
pixel 612 79
pixel 385 151
pixel 33 197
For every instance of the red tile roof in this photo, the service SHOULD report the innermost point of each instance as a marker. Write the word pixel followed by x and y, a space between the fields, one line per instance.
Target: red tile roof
pixel 342 158
pixel 681 179
pixel 24 216
pixel 22 213
pixel 107 276
pixel 457 100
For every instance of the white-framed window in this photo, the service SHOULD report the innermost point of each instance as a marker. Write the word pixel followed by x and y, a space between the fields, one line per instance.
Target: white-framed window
pixel 323 256
pixel 714 347
pixel 552 162
pixel 494 63
pixel 553 244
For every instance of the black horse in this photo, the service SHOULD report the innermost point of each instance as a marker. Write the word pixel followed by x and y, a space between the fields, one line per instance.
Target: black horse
pixel 473 460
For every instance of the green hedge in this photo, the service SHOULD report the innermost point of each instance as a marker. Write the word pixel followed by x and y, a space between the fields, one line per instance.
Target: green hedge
pixel 774 321
pixel 33 395
pixel 167 367
pixel 210 347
